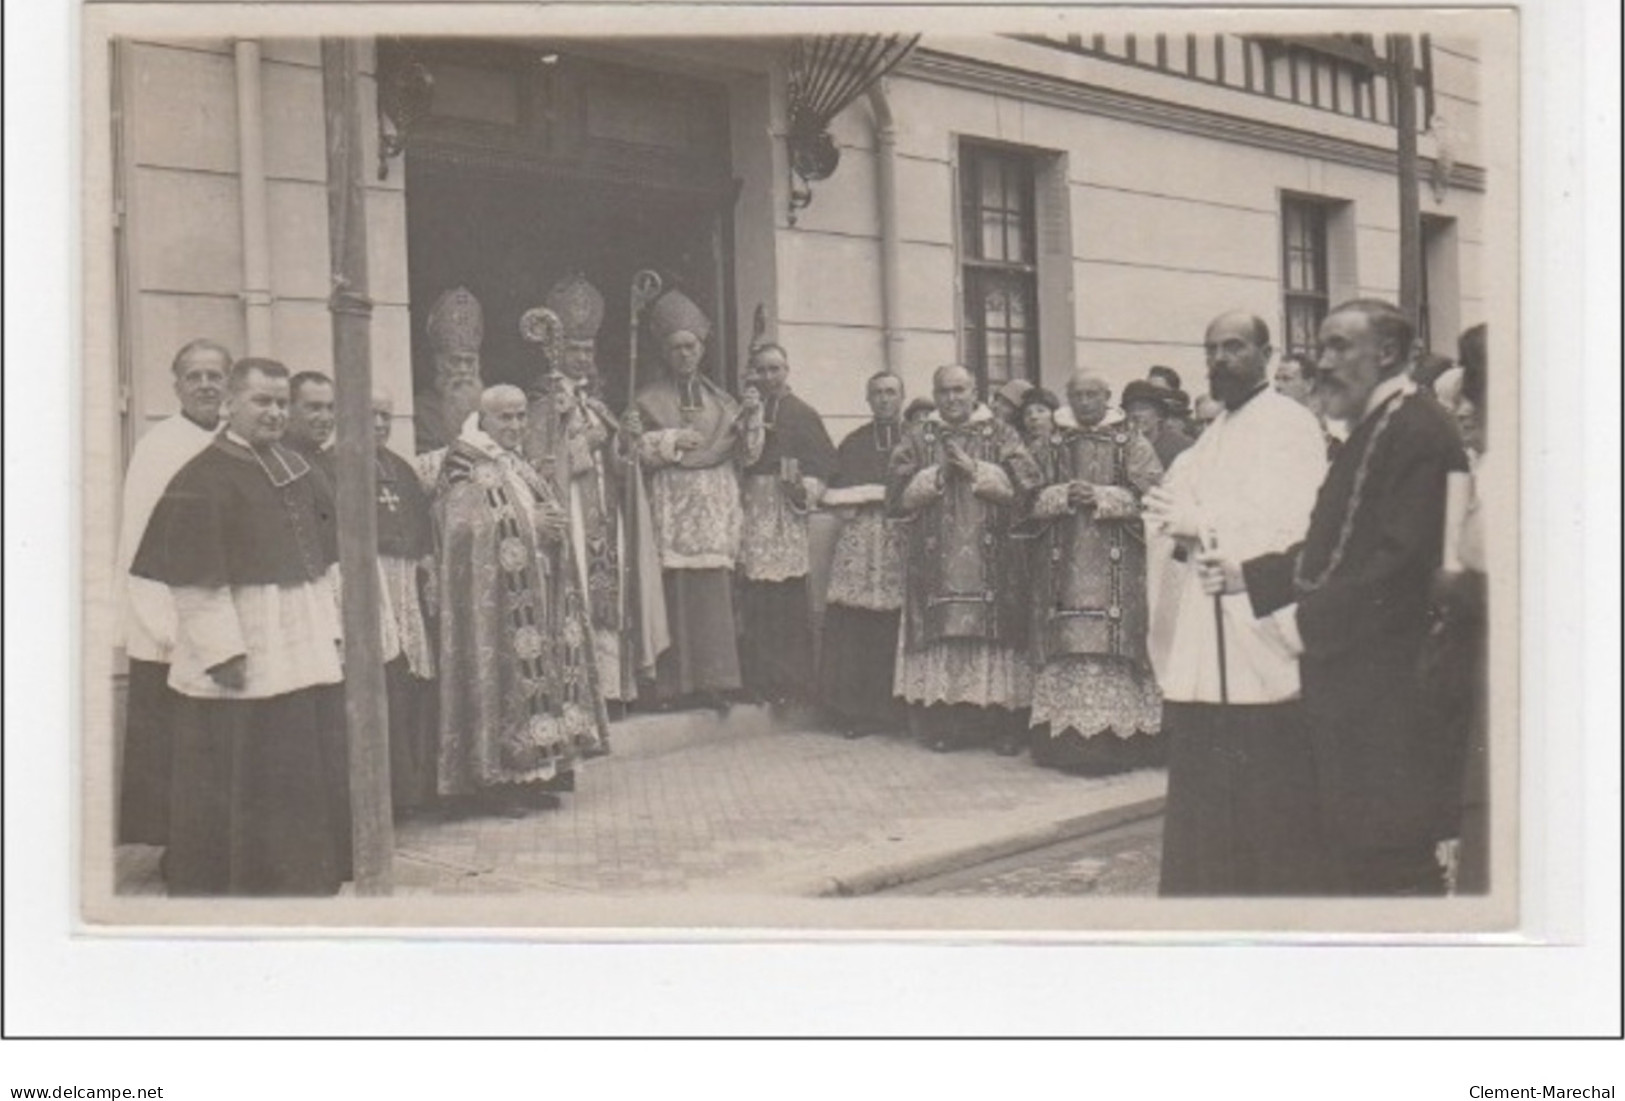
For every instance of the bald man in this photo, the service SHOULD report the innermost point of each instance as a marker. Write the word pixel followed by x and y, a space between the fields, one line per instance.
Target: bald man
pixel 1241 812
pixel 519 701
pixel 962 477
pixel 148 614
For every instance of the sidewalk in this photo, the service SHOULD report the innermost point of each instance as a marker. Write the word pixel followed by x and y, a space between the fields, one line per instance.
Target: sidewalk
pixel 690 805
pixel 764 811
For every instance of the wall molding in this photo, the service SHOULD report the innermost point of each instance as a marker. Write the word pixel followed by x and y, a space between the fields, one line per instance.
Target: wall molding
pixel 982 76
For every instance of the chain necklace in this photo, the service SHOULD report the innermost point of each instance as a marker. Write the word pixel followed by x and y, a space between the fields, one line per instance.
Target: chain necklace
pixel 1309 585
pixel 885 436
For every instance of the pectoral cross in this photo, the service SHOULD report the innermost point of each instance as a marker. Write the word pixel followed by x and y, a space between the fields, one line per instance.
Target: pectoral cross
pixel 387 498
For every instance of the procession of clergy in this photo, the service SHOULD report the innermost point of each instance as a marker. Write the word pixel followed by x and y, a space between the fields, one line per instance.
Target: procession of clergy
pixel 1103 590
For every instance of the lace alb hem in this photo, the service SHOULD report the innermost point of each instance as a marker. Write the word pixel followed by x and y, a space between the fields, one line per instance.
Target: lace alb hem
pixel 963 671
pixel 1092 695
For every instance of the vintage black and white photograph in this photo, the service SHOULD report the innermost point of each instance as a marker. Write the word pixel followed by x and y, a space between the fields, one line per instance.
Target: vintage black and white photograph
pixel 1038 473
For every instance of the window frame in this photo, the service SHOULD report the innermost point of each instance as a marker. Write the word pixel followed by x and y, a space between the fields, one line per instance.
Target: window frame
pixel 1314 215
pixel 981 274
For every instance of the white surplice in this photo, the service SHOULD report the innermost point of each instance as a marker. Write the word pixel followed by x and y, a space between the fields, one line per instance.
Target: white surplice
pixel 1251 478
pixel 146 610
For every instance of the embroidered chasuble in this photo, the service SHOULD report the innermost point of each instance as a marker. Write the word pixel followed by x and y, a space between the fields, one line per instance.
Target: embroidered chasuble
pixel 1089 593
pixel 963 569
pixel 1089 575
pixel 964 631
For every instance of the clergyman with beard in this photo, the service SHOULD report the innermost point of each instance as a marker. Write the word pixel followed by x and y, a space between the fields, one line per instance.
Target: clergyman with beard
pixel 1241 814
pixel 1355 590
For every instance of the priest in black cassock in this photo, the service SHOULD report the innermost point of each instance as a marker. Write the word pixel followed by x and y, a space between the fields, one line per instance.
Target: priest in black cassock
pixel 865 598
pixel 1360 582
pixel 244 538
pixel 406 569
pixel 312 418
pixel 776 493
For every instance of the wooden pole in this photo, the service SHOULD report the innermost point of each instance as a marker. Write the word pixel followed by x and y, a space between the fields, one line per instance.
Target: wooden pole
pixel 365 700
pixel 1402 56
pixel 255 198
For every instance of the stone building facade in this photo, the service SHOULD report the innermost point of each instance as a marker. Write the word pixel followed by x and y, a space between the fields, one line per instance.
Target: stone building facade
pixel 1022 204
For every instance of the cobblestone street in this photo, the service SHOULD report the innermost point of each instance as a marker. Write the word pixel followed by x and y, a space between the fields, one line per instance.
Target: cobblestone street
pixel 1123 861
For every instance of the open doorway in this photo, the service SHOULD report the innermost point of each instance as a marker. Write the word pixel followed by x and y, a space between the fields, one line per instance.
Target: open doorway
pixel 508 233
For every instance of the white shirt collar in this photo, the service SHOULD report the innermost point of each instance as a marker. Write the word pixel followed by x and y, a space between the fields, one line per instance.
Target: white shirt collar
pixel 476 437
pixel 1065 418
pixel 979 414
pixel 1402 383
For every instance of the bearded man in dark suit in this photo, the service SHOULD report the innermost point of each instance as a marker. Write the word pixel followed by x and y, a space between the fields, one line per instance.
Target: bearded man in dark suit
pixel 1360 581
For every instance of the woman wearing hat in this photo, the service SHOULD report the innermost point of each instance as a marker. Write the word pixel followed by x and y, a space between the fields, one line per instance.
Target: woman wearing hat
pixel 1146 406
pixel 1035 420
pixel 1006 401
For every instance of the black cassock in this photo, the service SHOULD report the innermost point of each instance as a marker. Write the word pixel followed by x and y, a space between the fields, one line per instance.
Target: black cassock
pixel 1360 580
pixel 259 803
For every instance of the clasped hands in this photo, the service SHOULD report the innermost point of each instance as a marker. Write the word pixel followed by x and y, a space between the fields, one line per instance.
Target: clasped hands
pixel 957 459
pixel 551 522
pixel 1080 495
pixel 687 439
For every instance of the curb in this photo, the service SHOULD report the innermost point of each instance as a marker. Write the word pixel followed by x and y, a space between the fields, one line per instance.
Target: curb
pixel 870 881
pixel 875 876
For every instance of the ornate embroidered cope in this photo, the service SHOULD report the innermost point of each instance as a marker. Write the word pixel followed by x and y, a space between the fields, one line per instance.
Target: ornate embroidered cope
pixel 519 696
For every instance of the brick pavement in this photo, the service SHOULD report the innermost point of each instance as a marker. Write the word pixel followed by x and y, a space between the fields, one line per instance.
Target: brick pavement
pixel 784 812
pixel 777 812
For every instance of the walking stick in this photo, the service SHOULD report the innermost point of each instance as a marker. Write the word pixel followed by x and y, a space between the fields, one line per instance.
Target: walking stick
pixel 541 326
pixel 1210 544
